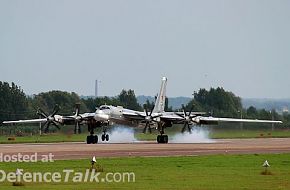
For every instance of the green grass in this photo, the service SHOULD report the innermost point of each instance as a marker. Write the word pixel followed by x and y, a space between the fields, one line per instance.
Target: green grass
pixel 230 133
pixel 48 138
pixel 216 172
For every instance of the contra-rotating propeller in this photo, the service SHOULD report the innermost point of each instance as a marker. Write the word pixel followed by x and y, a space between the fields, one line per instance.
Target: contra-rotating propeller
pixel 50 119
pixel 148 119
pixel 187 119
pixel 78 119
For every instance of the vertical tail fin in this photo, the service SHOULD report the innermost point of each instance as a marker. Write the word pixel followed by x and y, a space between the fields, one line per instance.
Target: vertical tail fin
pixel 160 101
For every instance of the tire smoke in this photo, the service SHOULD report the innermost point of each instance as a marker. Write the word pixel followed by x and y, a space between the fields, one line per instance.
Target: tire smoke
pixel 121 134
pixel 198 135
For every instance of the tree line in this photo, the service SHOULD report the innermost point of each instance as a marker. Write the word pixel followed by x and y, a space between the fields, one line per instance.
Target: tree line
pixel 15 104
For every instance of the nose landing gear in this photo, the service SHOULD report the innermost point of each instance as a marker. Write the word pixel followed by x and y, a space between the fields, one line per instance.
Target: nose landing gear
pixel 105 136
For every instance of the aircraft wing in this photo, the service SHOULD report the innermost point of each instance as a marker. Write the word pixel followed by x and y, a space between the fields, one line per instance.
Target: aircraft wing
pixel 171 118
pixel 192 113
pixel 81 117
pixel 216 120
pixel 134 115
pixel 175 118
pixel 165 116
pixel 26 121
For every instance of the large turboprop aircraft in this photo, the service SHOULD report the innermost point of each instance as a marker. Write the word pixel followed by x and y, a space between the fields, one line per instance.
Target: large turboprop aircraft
pixel 161 119
pixel 93 120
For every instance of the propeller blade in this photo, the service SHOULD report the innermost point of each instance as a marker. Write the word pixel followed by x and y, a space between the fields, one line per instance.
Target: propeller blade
pixel 155 117
pixel 184 114
pixel 146 112
pixel 55 110
pixel 148 119
pixel 183 109
pixel 45 123
pixel 77 109
pixel 190 110
pixel 79 130
pixel 146 125
pixel 55 124
pixel 149 127
pixel 183 128
pixel 140 115
pixel 180 115
pixel 188 128
pixel 151 110
pixel 76 127
pixel 47 127
pixel 41 113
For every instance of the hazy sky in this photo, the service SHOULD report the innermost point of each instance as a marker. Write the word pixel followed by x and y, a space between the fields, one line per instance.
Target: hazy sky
pixel 241 45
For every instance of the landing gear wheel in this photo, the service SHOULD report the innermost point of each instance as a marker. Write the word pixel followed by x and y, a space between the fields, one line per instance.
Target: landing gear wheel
pixel 159 138
pixel 95 139
pixel 107 137
pixel 162 139
pixel 91 139
pixel 103 137
pixel 165 139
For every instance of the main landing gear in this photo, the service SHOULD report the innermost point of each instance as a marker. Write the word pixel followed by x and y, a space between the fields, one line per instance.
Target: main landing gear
pixel 93 139
pixel 162 138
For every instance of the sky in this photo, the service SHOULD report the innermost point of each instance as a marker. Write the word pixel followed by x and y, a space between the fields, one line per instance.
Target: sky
pixel 240 45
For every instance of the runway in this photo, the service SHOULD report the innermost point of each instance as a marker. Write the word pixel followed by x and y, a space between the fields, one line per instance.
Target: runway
pixel 65 151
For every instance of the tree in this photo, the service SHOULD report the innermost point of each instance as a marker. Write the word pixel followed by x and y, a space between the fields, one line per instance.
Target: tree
pixel 13 102
pixel 129 100
pixel 218 101
pixel 148 105
pixel 252 112
pixel 66 101
pixel 93 103
pixel 166 106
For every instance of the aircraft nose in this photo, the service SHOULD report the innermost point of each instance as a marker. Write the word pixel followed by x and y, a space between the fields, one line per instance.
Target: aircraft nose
pixel 102 117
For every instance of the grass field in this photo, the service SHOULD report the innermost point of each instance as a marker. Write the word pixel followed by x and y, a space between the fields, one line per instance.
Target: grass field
pixel 214 134
pixel 217 172
pixel 230 133
pixel 47 138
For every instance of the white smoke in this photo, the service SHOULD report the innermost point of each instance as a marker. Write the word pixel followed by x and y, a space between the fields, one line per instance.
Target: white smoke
pixel 121 134
pixel 198 135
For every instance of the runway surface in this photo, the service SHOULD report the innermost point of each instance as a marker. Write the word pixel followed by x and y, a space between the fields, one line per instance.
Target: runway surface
pixel 82 150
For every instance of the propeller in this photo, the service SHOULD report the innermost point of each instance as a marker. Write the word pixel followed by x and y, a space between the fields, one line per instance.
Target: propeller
pixel 49 118
pixel 148 119
pixel 187 119
pixel 78 119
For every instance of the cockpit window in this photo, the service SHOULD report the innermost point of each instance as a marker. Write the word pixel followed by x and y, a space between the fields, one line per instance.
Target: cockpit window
pixel 104 108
